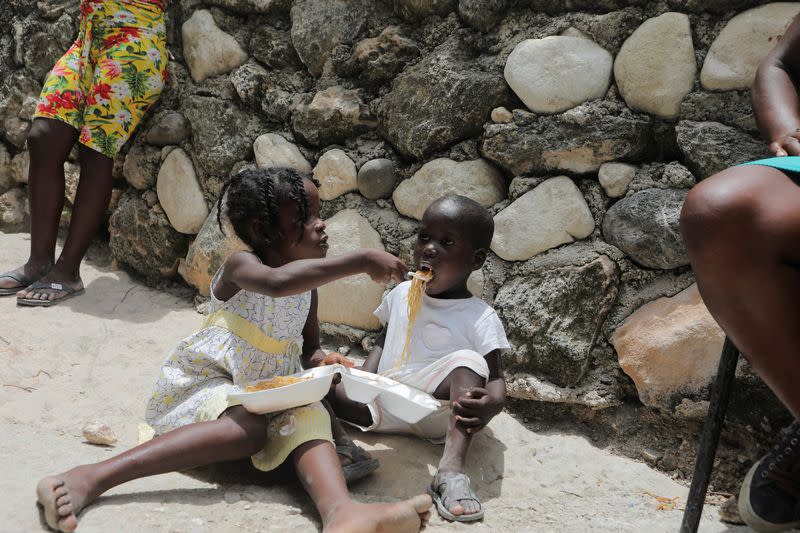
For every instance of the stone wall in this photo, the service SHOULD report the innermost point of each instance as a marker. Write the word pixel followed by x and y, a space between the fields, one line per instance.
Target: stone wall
pixel 581 125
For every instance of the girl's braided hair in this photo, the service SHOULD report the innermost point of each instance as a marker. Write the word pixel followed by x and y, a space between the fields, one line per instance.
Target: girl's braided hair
pixel 257 193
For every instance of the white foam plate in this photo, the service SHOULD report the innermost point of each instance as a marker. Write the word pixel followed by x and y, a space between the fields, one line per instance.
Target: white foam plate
pixel 407 403
pixel 288 396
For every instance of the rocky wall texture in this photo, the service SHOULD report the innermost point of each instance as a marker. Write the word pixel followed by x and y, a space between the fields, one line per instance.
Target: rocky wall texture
pixel 580 125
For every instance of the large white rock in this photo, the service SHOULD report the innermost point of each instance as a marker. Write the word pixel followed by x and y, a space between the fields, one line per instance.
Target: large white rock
pixel 552 214
pixel 180 194
pixel 655 67
pixel 13 206
pixel 336 174
pixel 208 251
pixel 208 50
pixel 615 178
pixel 6 177
pixel 474 179
pixel 350 300
pixel 272 150
pixel 556 73
pixel 20 166
pixel 734 55
pixel 669 346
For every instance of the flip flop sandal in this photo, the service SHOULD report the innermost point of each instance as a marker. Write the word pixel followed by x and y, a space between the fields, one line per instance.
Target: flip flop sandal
pixel 360 466
pixel 48 287
pixel 19 277
pixel 457 487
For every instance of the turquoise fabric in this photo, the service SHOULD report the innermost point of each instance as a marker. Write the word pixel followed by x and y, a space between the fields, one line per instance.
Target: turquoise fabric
pixel 788 163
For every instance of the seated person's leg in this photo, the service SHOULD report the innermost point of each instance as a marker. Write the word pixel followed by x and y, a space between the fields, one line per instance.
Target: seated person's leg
pixel 741 229
pixel 450 485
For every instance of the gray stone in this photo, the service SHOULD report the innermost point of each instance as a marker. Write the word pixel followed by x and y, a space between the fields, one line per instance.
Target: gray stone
pixel 318 26
pixel 482 15
pixel 249 7
pixel 734 55
pixel 15 90
pixel 336 173
pixel 208 251
pixel 476 179
pixel 273 47
pixel 13 207
pixel 208 50
pixel 416 9
pixel 412 116
pixel 556 73
pixel 377 178
pixel 332 116
pixel 655 68
pixel 141 165
pixel 273 150
pixel 42 50
pixel 552 214
pixel 579 140
pixel 553 317
pixel 615 178
pixel 169 127
pixel 20 165
pixel 662 176
pixel 376 60
pixel 249 80
pixel 72 175
pixel 731 108
pixel 142 238
pixel 710 147
pixel 179 193
pixel 645 226
pixel 501 115
pixel 222 134
pixel 6 177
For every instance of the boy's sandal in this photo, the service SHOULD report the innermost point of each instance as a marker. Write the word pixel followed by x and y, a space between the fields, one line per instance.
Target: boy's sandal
pixel 446 489
pixel 49 288
pixel 360 465
pixel 17 276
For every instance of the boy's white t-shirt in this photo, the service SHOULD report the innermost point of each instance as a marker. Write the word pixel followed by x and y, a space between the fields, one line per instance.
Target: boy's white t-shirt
pixel 442 327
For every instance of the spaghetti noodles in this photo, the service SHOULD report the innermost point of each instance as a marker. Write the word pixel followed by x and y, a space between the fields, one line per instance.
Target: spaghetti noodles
pixel 419 282
pixel 274 383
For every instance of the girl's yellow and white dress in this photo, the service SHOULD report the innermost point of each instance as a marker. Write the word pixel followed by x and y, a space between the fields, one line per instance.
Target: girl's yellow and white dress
pixel 248 338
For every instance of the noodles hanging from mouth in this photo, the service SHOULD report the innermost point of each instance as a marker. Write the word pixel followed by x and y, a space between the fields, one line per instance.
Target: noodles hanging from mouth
pixel 418 284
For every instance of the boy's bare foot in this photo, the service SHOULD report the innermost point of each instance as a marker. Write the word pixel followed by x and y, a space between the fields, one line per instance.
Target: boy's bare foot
pixel 408 516
pixel 62 497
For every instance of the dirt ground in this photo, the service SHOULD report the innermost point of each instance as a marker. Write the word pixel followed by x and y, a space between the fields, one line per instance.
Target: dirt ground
pixel 96 357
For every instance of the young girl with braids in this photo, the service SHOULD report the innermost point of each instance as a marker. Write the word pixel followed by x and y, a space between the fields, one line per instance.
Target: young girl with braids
pixel 263 323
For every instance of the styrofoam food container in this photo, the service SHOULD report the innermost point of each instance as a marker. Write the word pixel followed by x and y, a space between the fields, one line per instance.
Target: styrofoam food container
pixel 407 403
pixel 288 396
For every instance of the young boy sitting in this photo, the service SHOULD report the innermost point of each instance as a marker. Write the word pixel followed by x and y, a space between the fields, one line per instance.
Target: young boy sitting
pixel 454 350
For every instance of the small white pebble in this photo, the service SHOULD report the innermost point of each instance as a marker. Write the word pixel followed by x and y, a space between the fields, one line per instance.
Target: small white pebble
pixel 98 433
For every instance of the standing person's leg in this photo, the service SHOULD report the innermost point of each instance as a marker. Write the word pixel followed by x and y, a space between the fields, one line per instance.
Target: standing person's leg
pixel 741 229
pixel 49 143
pixel 91 202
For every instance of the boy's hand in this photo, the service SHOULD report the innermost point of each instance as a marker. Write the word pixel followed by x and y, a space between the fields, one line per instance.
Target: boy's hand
pixel 382 266
pixel 475 408
pixel 334 358
pixel 786 144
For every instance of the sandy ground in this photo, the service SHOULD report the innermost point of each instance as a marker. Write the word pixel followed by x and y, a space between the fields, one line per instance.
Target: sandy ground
pixel 96 357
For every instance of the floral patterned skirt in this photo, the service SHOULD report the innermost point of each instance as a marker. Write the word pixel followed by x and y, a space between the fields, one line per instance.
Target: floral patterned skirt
pixel 113 72
pixel 195 381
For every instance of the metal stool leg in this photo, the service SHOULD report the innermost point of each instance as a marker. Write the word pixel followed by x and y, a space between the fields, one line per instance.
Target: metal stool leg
pixel 707 448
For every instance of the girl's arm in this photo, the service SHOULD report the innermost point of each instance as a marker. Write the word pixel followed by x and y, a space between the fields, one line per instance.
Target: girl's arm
pixel 774 95
pixel 244 271
pixel 313 354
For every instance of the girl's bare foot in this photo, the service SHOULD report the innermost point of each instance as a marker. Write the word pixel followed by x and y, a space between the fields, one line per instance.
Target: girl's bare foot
pixel 408 516
pixel 63 496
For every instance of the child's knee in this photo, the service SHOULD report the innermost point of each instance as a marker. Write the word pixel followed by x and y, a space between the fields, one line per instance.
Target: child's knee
pixel 249 431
